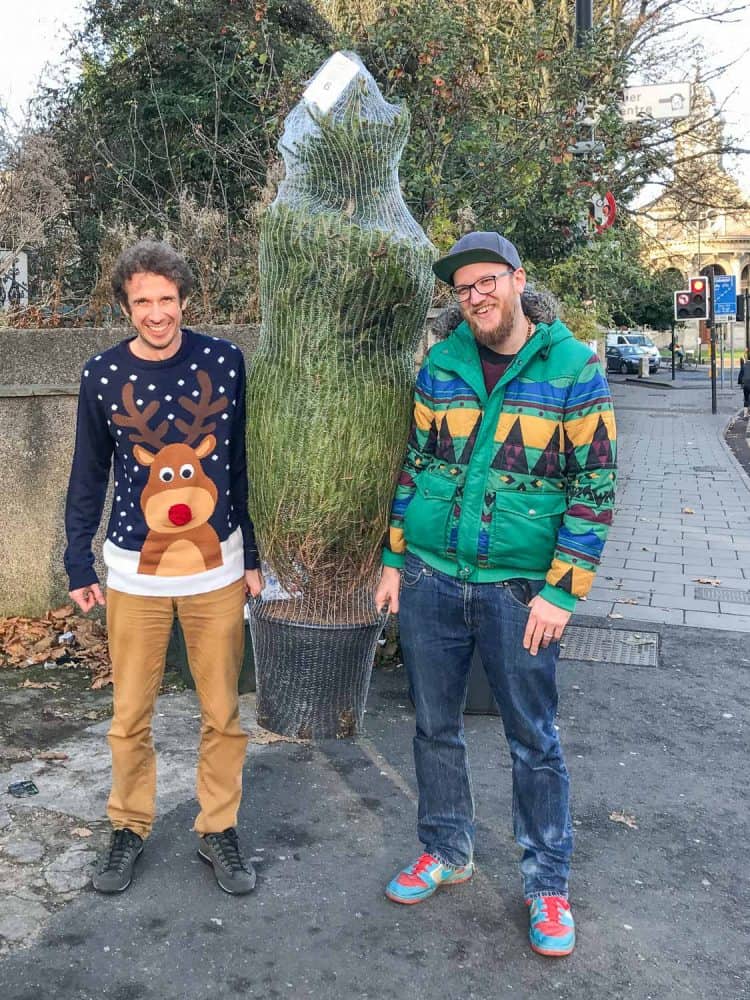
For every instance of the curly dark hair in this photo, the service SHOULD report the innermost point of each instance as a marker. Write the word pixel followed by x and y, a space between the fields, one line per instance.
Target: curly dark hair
pixel 154 258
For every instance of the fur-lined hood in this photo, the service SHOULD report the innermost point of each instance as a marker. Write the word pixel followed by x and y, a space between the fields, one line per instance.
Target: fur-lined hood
pixel 538 304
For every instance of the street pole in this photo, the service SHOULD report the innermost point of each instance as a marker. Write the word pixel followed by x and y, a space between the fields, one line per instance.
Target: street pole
pixel 673 350
pixel 712 327
pixel 584 21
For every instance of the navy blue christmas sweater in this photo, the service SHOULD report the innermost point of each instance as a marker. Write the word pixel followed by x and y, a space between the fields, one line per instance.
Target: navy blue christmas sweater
pixel 176 430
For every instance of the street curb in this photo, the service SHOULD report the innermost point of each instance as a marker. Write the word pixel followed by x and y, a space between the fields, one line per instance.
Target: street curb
pixel 744 477
pixel 649 381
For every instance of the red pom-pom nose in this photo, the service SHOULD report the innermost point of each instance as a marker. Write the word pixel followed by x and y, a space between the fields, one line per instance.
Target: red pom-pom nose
pixel 179 514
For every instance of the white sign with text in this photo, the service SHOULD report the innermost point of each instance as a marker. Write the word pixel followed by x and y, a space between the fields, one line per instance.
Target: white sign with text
pixel 659 101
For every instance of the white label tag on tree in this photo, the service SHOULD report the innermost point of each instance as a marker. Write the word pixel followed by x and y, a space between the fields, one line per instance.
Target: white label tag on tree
pixel 331 81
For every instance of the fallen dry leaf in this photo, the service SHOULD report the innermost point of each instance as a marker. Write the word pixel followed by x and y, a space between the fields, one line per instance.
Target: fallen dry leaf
pixel 712 581
pixel 65 612
pixel 81 831
pixel 688 510
pixel 637 640
pixel 52 755
pixel 263 736
pixel 614 614
pixel 40 685
pixel 627 819
pixel 627 600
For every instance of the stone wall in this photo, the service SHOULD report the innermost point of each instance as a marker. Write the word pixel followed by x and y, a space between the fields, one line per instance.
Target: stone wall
pixel 39 375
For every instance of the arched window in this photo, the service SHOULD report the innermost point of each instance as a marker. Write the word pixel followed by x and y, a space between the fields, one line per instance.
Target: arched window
pixel 672 278
pixel 745 278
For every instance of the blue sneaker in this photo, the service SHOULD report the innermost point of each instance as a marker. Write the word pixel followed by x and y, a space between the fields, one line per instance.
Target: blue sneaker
pixel 552 930
pixel 424 877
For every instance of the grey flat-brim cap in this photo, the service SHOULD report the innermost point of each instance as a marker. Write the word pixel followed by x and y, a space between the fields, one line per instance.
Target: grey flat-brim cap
pixel 476 248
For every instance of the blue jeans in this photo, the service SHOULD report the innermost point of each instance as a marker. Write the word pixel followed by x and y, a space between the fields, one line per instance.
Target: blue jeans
pixel 441 619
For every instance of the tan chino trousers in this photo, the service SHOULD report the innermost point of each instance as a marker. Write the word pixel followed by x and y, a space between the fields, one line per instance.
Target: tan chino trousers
pixel 139 631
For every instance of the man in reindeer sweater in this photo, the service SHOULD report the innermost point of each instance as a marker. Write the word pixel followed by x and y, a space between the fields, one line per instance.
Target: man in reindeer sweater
pixel 168 405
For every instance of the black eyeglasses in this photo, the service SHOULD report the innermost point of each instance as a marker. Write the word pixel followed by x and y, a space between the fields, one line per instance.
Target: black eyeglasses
pixel 485 286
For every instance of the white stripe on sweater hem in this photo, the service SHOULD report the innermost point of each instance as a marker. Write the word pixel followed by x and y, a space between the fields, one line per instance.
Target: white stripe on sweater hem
pixel 123 574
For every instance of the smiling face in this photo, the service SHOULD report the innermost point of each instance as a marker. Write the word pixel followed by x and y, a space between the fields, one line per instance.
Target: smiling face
pixel 155 310
pixel 496 319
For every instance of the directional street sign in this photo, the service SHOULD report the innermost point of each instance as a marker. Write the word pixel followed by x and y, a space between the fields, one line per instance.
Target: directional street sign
pixel 725 296
pixel 661 102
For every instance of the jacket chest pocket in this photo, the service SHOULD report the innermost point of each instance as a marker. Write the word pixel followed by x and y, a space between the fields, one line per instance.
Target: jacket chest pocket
pixel 523 530
pixel 429 516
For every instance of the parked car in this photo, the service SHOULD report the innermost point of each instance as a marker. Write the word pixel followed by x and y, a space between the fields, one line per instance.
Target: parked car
pixel 637 339
pixel 626 359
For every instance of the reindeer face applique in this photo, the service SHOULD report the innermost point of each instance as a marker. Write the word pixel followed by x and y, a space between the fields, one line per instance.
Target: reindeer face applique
pixel 179 498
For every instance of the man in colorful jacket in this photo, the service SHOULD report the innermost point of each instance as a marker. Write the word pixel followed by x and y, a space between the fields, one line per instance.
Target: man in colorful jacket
pixel 497 527
pixel 167 407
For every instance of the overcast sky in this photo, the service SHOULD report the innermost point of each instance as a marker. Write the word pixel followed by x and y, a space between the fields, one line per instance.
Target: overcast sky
pixel 37 32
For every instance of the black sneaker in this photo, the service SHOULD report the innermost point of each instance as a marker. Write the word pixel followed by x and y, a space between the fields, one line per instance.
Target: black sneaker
pixel 115 872
pixel 222 850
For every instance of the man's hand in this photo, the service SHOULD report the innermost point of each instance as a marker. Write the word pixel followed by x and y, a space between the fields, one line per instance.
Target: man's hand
pixel 87 597
pixel 386 594
pixel 254 583
pixel 546 624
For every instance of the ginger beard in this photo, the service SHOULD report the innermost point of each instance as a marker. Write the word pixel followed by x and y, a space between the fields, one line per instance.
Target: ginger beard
pixel 492 322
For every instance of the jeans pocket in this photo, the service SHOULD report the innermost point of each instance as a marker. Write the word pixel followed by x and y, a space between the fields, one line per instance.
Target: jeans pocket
pixel 518 590
pixel 412 573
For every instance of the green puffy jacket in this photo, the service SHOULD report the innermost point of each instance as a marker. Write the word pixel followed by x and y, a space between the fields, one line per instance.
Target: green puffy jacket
pixel 517 483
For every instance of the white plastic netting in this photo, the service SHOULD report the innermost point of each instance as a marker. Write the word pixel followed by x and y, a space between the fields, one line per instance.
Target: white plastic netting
pixel 346 282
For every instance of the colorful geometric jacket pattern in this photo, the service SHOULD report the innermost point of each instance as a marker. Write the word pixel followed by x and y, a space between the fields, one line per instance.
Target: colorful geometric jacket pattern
pixel 520 483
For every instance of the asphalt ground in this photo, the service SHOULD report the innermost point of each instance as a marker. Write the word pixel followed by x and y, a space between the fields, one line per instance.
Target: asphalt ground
pixel 660 905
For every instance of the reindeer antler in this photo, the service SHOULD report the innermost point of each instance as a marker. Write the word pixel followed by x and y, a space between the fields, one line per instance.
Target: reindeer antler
pixel 201 410
pixel 138 420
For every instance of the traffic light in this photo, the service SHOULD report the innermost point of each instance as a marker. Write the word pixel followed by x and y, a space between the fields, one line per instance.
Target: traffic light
pixel 692 303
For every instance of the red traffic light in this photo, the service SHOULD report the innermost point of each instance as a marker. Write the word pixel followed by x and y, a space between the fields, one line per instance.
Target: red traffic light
pixel 692 303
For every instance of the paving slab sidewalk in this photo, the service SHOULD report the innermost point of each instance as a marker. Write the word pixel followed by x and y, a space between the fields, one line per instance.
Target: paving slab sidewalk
pixel 682 519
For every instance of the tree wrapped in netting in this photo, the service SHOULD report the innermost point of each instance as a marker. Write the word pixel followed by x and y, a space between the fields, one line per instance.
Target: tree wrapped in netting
pixel 346 282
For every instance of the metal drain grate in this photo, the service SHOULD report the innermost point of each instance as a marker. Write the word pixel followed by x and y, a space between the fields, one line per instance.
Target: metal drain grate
pixel 601 645
pixel 722 594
